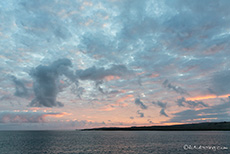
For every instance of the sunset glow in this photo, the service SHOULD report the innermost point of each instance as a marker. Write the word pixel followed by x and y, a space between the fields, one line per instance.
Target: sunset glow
pixel 83 64
pixel 207 97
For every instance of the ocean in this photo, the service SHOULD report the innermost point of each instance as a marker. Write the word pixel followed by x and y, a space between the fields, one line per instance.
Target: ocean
pixel 90 142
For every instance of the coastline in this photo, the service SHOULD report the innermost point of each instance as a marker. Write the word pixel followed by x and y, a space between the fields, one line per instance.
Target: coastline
pixel 208 126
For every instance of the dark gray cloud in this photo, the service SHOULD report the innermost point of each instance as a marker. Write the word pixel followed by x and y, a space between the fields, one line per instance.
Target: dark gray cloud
pixel 45 87
pixel 162 112
pixel 150 121
pixel 98 74
pixel 162 106
pixel 141 115
pixel 218 112
pixel 192 104
pixel 45 80
pixel 140 103
pixel 21 90
pixel 177 89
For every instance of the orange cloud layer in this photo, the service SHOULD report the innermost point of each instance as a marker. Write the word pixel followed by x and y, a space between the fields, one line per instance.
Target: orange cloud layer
pixel 107 108
pixel 57 114
pixel 127 97
pixel 171 123
pixel 111 77
pixel 206 97
pixel 154 75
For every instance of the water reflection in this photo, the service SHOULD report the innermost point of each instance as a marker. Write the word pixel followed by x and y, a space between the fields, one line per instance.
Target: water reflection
pixel 24 142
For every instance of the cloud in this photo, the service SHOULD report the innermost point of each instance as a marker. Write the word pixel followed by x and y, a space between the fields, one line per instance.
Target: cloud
pixel 98 74
pixel 140 103
pixel 150 121
pixel 25 117
pixel 162 112
pixel 177 89
pixel 150 37
pixel 220 82
pixel 101 74
pixel 45 87
pixel 98 83
pixel 32 121
pixel 78 91
pixel 141 115
pixel 139 81
pixel 162 106
pixel 218 112
pixel 21 90
pixel 192 104
pixel 45 80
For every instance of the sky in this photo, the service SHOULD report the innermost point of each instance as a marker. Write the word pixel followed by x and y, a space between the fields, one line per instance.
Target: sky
pixel 77 64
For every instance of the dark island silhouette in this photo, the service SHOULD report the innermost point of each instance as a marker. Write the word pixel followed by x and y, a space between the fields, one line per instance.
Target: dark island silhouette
pixel 206 126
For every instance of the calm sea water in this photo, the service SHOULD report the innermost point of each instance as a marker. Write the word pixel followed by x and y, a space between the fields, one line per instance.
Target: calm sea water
pixel 70 142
